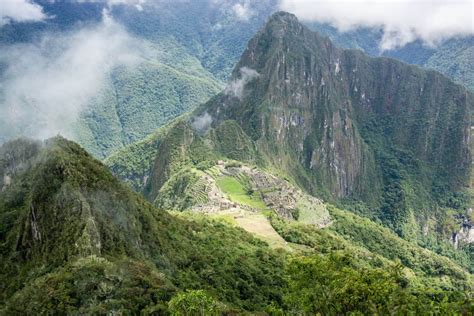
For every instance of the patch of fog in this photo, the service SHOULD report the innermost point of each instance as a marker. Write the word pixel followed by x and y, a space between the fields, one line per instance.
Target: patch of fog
pixel 401 21
pixel 337 67
pixel 137 3
pixel 202 123
pixel 236 87
pixel 45 85
pixel 243 11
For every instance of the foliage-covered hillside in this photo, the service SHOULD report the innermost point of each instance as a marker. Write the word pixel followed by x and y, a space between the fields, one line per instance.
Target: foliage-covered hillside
pixel 71 230
pixel 376 130
pixel 453 59
pixel 75 240
pixel 387 140
pixel 139 100
pixel 189 50
pixel 320 181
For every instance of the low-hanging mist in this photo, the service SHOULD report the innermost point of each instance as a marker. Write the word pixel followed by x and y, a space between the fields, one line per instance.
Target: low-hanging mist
pixel 402 21
pixel 46 84
pixel 236 87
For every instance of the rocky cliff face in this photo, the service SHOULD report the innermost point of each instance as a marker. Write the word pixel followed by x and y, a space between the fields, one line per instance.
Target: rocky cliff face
pixel 344 125
pixel 464 236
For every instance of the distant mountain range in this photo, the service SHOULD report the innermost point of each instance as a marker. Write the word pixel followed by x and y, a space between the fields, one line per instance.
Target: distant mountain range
pixel 191 49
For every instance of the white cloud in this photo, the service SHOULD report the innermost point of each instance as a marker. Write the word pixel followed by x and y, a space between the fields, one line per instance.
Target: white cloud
pixel 137 3
pixel 46 85
pixel 240 9
pixel 202 122
pixel 20 11
pixel 403 21
pixel 236 87
pixel 243 11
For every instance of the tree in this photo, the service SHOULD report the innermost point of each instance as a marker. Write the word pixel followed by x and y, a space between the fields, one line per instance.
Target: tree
pixel 194 303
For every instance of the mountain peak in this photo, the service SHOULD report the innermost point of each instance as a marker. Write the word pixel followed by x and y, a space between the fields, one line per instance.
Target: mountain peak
pixel 282 23
pixel 302 98
pixel 283 16
pixel 282 35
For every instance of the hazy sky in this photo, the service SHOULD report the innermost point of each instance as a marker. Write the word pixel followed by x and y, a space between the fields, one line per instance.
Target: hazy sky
pixel 403 21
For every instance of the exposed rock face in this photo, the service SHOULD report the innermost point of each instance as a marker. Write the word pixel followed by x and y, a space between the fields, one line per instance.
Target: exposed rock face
pixel 464 236
pixel 14 157
pixel 7 180
pixel 344 125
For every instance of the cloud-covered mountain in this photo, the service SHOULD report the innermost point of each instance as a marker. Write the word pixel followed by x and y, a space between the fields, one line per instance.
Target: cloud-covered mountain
pixel 391 140
pixel 319 181
pixel 147 62
pixel 400 21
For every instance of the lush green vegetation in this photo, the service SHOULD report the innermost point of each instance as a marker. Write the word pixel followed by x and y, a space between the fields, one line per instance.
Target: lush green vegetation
pixel 381 240
pixel 133 162
pixel 406 271
pixel 138 101
pixel 451 57
pixel 330 285
pixel 69 207
pixel 75 240
pixel 399 147
pixel 182 191
pixel 231 142
pixel 193 47
pixel 190 49
pixel 194 303
pixel 95 285
pixel 376 246
pixel 453 60
pixel 240 191
pixel 74 232
pixel 410 179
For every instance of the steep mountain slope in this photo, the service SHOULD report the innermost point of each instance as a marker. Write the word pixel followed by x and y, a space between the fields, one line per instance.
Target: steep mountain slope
pixel 387 140
pixel 450 57
pixel 208 39
pixel 137 101
pixel 69 228
pixel 75 240
pixel 189 49
pixel 131 100
pixel 214 32
pixel 347 126
pixel 453 59
pixel 192 47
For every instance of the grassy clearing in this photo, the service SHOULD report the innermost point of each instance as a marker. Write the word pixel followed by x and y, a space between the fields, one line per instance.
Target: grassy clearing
pixel 259 225
pixel 236 192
